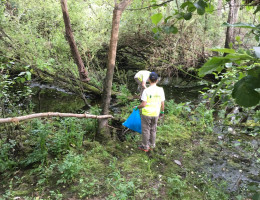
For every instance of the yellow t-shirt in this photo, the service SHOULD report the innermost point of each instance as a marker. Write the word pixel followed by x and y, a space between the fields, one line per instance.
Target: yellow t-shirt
pixel 143 75
pixel 153 96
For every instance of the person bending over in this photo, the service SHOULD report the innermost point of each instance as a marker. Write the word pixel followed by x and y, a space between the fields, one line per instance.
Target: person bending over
pixel 141 78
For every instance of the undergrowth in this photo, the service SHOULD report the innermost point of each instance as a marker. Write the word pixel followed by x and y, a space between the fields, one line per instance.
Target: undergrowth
pixel 59 159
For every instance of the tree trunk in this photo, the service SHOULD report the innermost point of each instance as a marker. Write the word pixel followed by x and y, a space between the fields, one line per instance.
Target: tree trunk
pixel 117 13
pixel 232 19
pixel 83 74
pixel 219 8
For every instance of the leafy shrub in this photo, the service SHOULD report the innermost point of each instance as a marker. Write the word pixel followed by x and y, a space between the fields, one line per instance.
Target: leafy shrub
pixel 173 108
pixel 5 160
pixel 70 168
pixel 176 186
pixel 123 97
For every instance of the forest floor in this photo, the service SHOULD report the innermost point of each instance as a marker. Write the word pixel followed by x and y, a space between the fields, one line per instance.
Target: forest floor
pixel 59 158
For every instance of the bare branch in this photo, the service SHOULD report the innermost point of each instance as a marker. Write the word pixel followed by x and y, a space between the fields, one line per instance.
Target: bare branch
pixel 154 5
pixel 52 114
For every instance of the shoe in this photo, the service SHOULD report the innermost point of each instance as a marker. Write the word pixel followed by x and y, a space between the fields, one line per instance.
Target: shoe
pixel 143 149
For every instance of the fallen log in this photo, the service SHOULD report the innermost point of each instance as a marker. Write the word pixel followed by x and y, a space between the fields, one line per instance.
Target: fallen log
pixel 51 114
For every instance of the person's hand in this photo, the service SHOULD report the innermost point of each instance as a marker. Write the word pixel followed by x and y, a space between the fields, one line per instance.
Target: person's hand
pixel 161 114
pixel 135 107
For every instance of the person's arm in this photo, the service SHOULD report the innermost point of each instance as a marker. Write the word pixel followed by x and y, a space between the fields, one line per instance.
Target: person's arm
pixel 143 84
pixel 162 109
pixel 142 105
pixel 162 106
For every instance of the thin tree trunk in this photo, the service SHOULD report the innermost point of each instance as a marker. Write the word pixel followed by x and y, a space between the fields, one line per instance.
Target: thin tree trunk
pixel 232 19
pixel 117 13
pixel 83 74
pixel 219 8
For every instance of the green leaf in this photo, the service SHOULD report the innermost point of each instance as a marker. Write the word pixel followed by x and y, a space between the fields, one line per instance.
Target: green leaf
pixel 187 16
pixel 224 50
pixel 212 65
pixel 200 5
pixel 173 30
pixel 185 4
pixel 170 29
pixel 28 75
pixel 239 57
pixel 241 75
pixel 244 91
pixel 210 9
pixel 255 72
pixel 191 8
pixel 240 25
pixel 228 65
pixel 155 30
pixel 166 20
pixel 256 196
pixel 189 5
pixel 257 9
pixel 156 18
pixel 22 80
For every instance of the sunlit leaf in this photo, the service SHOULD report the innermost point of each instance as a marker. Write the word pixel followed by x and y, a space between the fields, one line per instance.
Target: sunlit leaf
pixel 240 25
pixel 28 75
pixel 156 18
pixel 224 50
pixel 238 57
pixel 212 65
pixel 241 75
pixel 155 30
pixel 210 9
pixel 228 65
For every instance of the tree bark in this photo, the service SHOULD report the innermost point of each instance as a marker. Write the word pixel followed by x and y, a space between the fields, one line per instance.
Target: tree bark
pixel 117 13
pixel 219 8
pixel 51 114
pixel 232 19
pixel 83 74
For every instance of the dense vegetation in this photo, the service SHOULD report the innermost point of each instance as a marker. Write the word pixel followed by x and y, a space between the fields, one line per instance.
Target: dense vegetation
pixel 204 150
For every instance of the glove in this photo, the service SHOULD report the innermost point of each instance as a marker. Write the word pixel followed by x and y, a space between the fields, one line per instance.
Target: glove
pixel 161 114
pixel 135 108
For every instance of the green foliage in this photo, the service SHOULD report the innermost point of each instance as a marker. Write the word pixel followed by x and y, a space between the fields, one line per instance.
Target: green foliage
pixel 6 161
pixel 176 187
pixel 14 89
pixel 124 95
pixel 172 108
pixel 70 167
pixel 156 18
pixel 121 188
pixel 200 5
pixel 245 89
